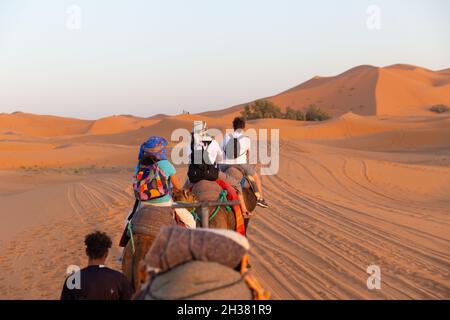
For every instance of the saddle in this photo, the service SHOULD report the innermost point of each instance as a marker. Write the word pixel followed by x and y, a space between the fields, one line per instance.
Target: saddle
pixel 149 219
pixel 210 263
pixel 206 190
pixel 211 191
pixel 146 220
pixel 247 182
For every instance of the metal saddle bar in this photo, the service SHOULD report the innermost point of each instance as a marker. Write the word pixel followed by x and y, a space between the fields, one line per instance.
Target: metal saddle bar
pixel 204 208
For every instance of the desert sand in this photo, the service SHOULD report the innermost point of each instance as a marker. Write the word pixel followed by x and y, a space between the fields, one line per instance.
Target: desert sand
pixel 365 188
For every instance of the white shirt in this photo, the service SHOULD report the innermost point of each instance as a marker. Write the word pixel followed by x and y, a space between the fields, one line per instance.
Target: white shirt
pixel 214 151
pixel 244 147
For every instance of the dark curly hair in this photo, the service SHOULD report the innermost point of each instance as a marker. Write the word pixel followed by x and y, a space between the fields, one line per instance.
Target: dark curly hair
pixel 97 244
pixel 238 123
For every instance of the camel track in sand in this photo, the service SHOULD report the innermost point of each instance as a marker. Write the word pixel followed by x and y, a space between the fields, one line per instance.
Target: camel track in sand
pixel 327 234
pixel 331 216
pixel 97 204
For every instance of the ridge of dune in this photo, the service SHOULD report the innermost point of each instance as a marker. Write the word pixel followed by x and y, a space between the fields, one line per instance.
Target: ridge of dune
pixel 398 89
pixel 117 124
pixel 164 127
pixel 405 66
pixel 41 125
pixel 410 91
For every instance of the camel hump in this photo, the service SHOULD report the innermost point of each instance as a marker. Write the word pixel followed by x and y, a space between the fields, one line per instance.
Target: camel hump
pixel 207 190
pixel 149 219
pixel 201 280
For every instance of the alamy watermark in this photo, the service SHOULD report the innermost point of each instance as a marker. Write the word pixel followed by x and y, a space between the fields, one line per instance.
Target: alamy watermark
pixel 73 281
pixel 73 19
pixel 373 21
pixel 263 151
pixel 374 280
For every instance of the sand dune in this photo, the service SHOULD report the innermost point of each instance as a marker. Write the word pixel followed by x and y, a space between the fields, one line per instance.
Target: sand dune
pixel 407 91
pixel 351 192
pixel 369 186
pixel 117 124
pixel 366 90
pixel 41 126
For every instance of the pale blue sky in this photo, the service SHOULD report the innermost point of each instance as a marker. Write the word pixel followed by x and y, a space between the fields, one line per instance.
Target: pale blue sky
pixel 147 57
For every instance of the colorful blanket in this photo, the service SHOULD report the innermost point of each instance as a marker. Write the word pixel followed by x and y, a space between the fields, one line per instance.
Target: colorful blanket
pixel 231 196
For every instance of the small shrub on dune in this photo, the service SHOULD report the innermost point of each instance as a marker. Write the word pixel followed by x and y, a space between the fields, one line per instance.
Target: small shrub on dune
pixel 300 115
pixel 440 108
pixel 264 109
pixel 290 114
pixel 261 109
pixel 314 113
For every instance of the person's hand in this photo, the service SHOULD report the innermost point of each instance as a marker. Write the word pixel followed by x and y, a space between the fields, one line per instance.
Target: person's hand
pixel 248 214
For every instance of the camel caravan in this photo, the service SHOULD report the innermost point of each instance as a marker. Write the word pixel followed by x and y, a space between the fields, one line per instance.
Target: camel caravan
pixel 189 241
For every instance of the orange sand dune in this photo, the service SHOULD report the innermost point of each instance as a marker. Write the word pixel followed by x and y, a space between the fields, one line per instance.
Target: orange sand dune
pixel 117 124
pixel 367 187
pixel 19 123
pixel 410 91
pixel 366 90
pixel 351 192
pixel 40 126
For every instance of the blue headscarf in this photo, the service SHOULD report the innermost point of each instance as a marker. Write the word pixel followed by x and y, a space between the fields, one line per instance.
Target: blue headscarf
pixel 155 146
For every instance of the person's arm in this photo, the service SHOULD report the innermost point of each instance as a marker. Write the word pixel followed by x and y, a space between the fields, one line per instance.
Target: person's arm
pixel 175 182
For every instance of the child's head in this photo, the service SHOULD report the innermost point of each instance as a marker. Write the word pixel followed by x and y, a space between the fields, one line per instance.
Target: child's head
pixel 148 160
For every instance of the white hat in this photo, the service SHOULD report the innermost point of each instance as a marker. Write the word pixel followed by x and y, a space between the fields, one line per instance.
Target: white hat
pixel 199 130
pixel 199 127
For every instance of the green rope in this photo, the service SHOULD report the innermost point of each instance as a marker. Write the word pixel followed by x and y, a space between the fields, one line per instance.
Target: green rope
pixel 130 232
pixel 194 213
pixel 223 198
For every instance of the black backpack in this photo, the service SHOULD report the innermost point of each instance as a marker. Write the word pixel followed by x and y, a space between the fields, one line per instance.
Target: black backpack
pixel 203 170
pixel 233 148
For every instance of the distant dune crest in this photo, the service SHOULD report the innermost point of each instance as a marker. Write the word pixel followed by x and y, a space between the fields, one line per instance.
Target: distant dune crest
pixel 399 89
pixel 396 90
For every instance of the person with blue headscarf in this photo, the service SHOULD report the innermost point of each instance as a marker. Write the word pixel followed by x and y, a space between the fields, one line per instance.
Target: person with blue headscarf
pixel 154 150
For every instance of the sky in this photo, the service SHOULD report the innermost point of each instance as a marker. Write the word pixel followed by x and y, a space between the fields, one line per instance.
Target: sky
pixel 90 59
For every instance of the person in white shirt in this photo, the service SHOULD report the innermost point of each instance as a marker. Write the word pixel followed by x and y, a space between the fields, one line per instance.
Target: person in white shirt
pixel 236 147
pixel 206 143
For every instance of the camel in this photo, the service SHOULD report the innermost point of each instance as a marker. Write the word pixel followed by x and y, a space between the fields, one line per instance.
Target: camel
pixel 149 220
pixel 146 225
pixel 210 191
pixel 199 264
pixel 247 191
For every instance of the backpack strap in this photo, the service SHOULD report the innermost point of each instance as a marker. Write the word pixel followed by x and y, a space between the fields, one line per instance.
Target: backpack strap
pixel 235 145
pixel 192 149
